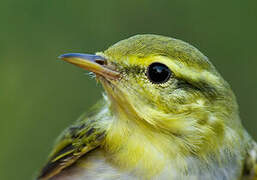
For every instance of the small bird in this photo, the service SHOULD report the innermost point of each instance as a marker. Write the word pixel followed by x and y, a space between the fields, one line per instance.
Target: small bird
pixel 166 114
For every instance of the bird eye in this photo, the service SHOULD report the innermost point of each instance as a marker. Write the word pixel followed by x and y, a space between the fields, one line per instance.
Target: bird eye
pixel 158 73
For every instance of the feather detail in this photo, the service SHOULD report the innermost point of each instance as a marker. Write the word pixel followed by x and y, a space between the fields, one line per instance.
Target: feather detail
pixel 85 135
pixel 250 164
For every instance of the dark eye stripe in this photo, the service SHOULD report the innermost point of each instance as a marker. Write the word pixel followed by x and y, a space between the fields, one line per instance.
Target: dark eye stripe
pixel 201 86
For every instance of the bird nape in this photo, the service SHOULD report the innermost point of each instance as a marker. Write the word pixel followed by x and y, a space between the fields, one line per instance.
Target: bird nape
pixel 166 114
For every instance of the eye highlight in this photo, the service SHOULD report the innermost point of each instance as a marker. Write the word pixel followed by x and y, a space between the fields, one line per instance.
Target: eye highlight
pixel 158 73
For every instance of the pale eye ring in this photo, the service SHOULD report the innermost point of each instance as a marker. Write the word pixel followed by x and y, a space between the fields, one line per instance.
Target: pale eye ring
pixel 158 73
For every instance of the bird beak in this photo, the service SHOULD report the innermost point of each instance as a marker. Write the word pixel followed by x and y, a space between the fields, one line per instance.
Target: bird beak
pixel 94 63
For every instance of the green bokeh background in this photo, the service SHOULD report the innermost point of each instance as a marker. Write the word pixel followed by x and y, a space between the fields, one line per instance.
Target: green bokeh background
pixel 41 95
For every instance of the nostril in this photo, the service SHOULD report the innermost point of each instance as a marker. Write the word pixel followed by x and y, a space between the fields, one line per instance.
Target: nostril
pixel 101 62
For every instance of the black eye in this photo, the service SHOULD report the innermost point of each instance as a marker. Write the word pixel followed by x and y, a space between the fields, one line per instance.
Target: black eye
pixel 158 73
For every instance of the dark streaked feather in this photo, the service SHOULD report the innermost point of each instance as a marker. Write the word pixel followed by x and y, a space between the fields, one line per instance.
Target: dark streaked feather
pixel 250 164
pixel 77 140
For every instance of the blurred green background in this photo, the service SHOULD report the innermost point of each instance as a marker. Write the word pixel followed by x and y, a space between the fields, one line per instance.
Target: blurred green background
pixel 41 95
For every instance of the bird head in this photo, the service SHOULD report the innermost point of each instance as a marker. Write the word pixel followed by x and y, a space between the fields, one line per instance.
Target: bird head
pixel 166 86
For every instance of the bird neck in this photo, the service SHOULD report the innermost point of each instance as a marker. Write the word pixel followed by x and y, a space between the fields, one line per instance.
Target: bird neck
pixel 134 148
pixel 134 145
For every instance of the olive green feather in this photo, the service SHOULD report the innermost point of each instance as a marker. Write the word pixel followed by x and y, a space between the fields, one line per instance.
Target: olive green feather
pixel 85 135
pixel 250 163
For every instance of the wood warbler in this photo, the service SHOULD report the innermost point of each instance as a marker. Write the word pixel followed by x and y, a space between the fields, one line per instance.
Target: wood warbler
pixel 167 114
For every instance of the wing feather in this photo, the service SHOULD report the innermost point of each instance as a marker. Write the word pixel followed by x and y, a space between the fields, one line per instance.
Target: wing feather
pixel 250 164
pixel 85 135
